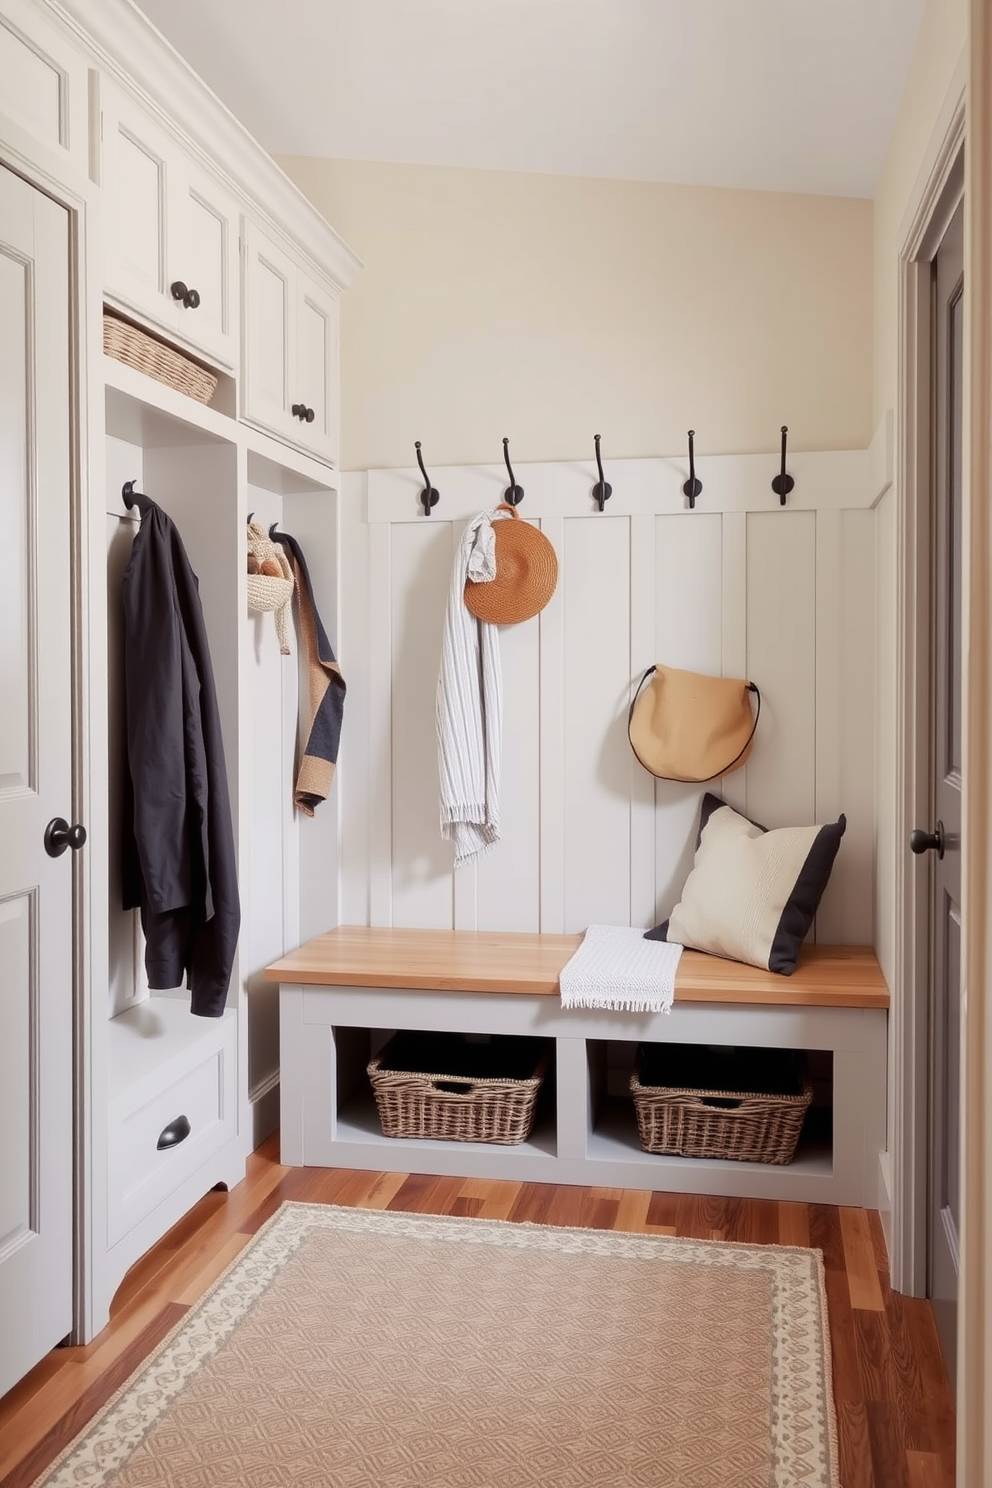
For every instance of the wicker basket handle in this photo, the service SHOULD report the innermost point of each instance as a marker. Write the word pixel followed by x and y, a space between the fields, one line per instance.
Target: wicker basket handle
pixel 454 1087
pixel 721 1102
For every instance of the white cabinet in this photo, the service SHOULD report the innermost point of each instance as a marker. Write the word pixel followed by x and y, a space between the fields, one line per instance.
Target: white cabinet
pixel 44 82
pixel 290 374
pixel 170 233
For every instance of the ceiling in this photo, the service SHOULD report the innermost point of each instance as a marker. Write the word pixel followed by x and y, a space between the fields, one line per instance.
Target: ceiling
pixel 779 95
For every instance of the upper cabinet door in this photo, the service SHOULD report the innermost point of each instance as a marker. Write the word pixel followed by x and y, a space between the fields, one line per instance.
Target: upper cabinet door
pixel 171 234
pixel 44 82
pixel 317 364
pixel 270 333
pixel 203 261
pixel 290 380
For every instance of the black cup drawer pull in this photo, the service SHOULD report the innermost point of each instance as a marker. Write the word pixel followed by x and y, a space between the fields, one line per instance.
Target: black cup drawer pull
pixel 177 1131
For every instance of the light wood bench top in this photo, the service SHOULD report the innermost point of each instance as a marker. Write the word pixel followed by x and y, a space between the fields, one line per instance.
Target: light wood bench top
pixel 492 961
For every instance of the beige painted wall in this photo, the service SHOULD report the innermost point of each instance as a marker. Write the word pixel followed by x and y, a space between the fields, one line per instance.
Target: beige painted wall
pixel 552 308
pixel 935 64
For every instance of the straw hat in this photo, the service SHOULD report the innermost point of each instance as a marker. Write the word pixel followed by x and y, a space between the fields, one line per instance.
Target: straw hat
pixel 270 588
pixel 526 574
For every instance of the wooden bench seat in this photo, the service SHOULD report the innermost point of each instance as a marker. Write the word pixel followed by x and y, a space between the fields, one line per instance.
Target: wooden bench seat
pixel 499 962
pixel 342 994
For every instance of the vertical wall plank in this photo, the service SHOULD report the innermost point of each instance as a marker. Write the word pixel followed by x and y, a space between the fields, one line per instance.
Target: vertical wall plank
pixel 509 878
pixel 380 733
pixel 781 658
pixel 846 914
pixel 551 706
pixel 422 862
pixel 353 780
pixel 688 563
pixel 645 592
pixel 733 788
pixel 597 752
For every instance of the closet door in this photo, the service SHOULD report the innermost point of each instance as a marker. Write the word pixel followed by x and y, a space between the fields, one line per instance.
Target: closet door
pixel 36 923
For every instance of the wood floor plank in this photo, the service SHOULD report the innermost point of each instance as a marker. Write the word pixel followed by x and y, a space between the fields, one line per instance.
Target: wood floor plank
pixel 793 1224
pixel 926 1469
pixel 894 1408
pixel 856 1469
pixel 859 1255
pixel 632 1210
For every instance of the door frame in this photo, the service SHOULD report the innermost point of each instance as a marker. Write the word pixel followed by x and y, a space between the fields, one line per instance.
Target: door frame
pixel 46 170
pixel 938 192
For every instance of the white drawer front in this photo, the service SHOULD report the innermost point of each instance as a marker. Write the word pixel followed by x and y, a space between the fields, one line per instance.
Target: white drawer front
pixel 141 1174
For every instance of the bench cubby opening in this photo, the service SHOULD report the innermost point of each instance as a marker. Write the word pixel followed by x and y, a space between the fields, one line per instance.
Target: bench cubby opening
pixel 613 1132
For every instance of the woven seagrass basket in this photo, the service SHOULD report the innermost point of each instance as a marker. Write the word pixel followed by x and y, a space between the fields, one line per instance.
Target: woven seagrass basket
pixel 487 1093
pixel 746 1104
pixel 136 348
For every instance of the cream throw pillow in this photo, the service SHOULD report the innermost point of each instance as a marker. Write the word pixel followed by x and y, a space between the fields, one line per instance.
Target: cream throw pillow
pixel 752 894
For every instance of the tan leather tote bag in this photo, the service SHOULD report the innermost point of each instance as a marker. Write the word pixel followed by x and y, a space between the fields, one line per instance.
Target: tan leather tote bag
pixel 689 727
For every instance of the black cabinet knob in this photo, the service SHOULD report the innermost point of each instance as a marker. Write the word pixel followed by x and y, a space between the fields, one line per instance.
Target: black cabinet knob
pixel 921 842
pixel 303 413
pixel 59 835
pixel 189 297
pixel 309 415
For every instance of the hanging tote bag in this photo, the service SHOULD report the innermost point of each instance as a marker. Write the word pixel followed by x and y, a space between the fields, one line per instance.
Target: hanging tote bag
pixel 689 727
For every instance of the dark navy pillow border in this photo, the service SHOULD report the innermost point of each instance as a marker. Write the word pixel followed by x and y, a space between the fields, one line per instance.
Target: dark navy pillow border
pixel 803 901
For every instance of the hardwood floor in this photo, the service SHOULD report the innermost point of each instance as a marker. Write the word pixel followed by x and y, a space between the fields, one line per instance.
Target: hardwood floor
pixel 895 1411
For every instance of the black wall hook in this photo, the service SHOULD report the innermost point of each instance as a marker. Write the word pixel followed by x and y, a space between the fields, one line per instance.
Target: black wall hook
pixel 692 487
pixel 514 494
pixel 428 496
pixel 602 490
pixel 783 483
pixel 128 494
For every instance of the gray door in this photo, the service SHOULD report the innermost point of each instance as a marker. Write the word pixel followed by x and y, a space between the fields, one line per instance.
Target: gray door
pixel 944 1186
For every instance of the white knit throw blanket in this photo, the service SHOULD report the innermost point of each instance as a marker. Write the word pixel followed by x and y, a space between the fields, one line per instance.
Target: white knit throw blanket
pixel 470 704
pixel 615 967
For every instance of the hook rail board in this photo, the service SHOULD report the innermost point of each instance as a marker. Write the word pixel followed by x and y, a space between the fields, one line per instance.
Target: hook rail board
pixel 834 480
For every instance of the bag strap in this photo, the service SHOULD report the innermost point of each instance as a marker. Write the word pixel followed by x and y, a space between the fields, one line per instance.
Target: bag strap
pixel 751 687
pixel 630 712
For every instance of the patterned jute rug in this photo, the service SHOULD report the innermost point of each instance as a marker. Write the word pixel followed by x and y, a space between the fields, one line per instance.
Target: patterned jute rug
pixel 350 1348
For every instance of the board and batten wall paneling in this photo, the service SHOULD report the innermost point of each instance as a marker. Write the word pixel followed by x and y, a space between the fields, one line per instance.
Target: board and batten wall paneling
pixel 687 580
pixel 420 564
pixel 740 586
pixel 598 763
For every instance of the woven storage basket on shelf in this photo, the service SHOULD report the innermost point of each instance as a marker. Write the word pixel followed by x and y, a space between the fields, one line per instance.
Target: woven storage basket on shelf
pixel 126 343
pixel 746 1104
pixel 487 1093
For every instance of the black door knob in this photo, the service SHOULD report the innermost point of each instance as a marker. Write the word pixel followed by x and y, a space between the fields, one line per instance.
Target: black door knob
pixel 921 842
pixel 189 297
pixel 59 835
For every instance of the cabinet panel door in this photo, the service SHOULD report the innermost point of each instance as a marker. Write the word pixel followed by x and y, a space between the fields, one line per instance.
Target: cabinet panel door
pixel 138 158
pixel 316 383
pixel 203 255
pixel 43 82
pixel 270 290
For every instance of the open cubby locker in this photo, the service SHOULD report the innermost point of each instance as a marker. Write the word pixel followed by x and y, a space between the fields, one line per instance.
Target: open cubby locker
pixel 613 1133
pixel 356 1118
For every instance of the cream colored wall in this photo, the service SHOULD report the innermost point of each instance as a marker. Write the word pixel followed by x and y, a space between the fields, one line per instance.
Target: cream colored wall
pixel 553 308
pixel 935 63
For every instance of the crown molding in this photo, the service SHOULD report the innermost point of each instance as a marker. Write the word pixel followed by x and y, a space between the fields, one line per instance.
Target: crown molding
pixel 124 43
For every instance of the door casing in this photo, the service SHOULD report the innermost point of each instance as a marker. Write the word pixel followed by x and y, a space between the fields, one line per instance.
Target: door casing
pixel 935 202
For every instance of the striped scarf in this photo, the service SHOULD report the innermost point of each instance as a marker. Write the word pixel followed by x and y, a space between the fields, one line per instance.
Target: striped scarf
pixel 470 705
